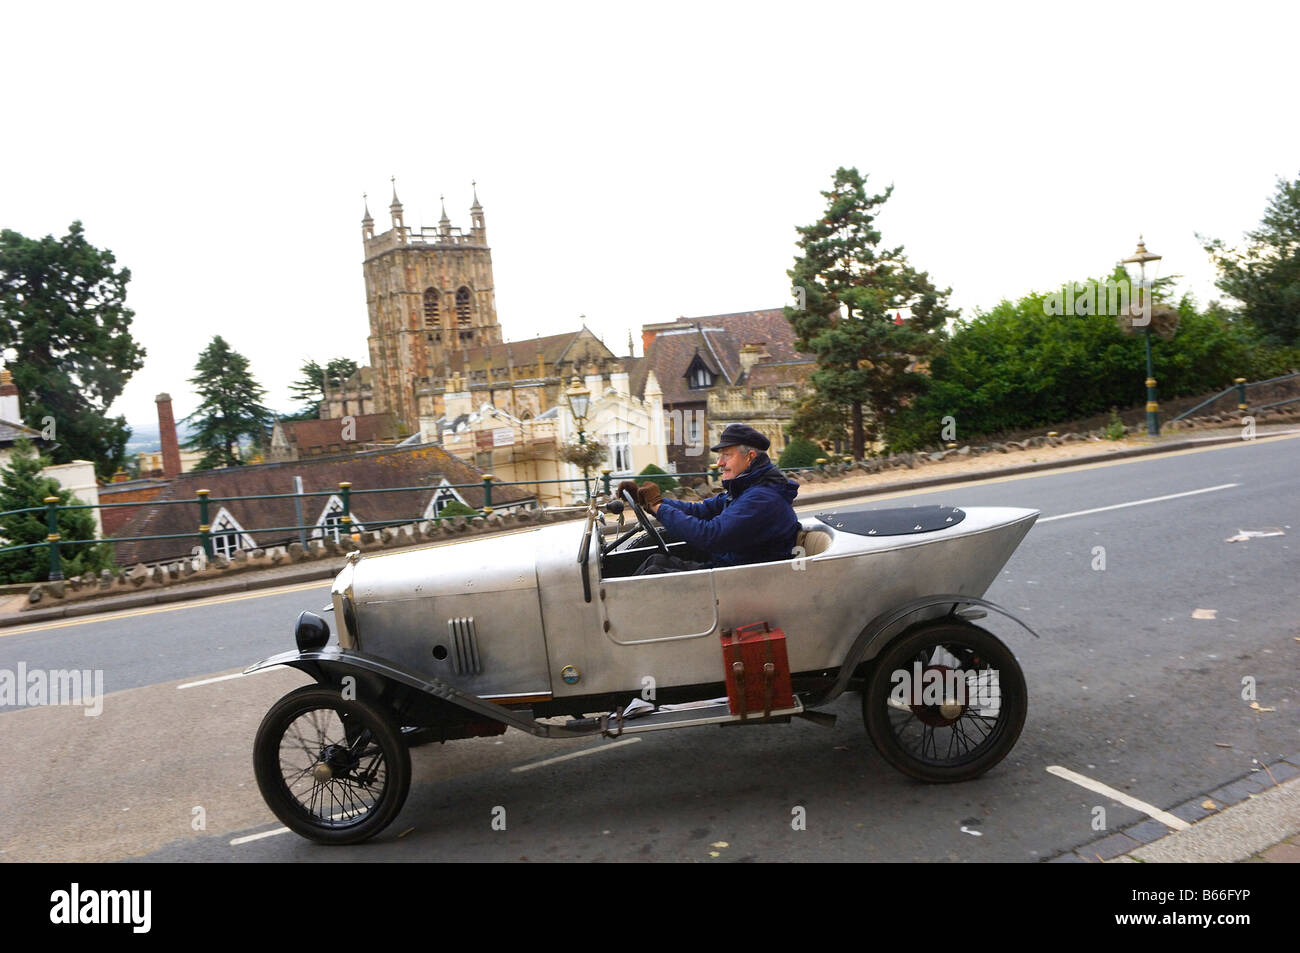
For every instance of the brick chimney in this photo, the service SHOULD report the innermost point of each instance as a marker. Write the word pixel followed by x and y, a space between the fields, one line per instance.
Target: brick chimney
pixel 171 451
pixel 752 354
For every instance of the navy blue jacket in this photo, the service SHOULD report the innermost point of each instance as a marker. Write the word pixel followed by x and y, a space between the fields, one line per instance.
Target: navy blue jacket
pixel 752 522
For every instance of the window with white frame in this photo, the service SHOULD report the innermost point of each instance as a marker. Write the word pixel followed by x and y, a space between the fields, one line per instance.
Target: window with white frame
pixel 441 497
pixel 620 446
pixel 227 535
pixel 330 522
pixel 692 422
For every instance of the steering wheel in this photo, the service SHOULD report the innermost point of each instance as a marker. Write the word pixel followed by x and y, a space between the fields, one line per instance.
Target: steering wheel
pixel 645 522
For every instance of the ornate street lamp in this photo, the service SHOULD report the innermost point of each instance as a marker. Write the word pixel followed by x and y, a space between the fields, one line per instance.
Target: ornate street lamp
pixel 1141 257
pixel 579 399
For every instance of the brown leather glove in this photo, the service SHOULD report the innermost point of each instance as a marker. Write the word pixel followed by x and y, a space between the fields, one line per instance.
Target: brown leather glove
pixel 627 485
pixel 649 495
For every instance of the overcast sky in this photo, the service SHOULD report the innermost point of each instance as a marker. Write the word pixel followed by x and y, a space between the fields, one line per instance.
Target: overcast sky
pixel 636 162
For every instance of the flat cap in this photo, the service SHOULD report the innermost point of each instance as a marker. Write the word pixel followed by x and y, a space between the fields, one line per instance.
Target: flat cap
pixel 736 434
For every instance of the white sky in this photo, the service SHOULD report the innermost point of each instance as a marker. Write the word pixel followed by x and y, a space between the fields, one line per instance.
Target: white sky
pixel 635 162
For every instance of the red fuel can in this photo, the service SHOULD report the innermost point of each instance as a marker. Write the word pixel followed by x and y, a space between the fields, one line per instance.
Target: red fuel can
pixel 757 670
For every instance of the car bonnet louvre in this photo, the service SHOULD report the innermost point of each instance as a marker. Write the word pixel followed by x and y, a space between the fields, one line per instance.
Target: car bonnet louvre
pixel 894 521
pixel 464 646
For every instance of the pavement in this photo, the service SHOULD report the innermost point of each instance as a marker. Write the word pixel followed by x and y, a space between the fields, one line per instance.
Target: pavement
pixel 1254 819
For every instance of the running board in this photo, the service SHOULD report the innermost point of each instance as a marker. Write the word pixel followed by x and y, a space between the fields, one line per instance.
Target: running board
pixel 824 719
pixel 721 714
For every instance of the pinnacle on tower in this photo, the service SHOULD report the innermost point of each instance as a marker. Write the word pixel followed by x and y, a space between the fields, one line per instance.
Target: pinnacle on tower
pixel 475 207
pixel 443 200
pixel 395 210
pixel 366 219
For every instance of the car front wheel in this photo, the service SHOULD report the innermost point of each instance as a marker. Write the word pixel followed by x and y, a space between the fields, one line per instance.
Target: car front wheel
pixel 334 770
pixel 945 702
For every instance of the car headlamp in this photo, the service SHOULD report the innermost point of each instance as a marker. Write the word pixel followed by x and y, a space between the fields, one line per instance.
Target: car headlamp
pixel 311 632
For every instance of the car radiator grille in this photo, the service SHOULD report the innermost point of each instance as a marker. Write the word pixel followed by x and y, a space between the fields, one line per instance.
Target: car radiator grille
pixel 464 646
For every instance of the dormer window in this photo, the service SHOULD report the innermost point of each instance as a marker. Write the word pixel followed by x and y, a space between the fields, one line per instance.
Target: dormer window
pixel 698 376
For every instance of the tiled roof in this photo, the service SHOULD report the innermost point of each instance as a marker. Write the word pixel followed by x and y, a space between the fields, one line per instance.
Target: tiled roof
pixel 767 375
pixel 12 430
pixel 554 349
pixel 718 339
pixel 307 434
pixel 423 466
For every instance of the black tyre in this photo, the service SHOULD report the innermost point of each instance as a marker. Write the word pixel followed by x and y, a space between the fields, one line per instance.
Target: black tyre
pixel 334 770
pixel 959 729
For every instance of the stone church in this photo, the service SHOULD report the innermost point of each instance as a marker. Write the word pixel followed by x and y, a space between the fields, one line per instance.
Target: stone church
pixel 434 328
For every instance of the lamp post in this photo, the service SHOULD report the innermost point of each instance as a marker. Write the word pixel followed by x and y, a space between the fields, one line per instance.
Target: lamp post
pixel 1141 257
pixel 579 399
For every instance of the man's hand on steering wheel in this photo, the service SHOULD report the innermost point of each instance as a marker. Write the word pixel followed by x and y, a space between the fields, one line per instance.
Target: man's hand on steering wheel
pixel 629 493
pixel 648 495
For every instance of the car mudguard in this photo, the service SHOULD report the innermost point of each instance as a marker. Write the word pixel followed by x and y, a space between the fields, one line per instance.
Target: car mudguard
pixel 875 631
pixel 330 664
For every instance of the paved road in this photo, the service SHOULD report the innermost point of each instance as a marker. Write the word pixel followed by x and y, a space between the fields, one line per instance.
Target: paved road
pixel 1127 687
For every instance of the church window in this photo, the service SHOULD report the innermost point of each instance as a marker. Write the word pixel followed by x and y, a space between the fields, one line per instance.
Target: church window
pixel 462 307
pixel 430 308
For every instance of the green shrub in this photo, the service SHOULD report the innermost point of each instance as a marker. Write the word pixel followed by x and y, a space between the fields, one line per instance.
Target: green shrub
pixel 1115 430
pixel 1021 366
pixel 457 508
pixel 800 452
pixel 658 477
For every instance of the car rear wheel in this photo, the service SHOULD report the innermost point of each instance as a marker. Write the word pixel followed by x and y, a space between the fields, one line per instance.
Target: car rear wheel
pixel 945 702
pixel 334 770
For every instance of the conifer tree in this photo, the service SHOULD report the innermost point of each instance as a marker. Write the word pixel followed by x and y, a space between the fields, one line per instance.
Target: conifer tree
pixel 310 387
pixel 22 486
pixel 231 409
pixel 848 291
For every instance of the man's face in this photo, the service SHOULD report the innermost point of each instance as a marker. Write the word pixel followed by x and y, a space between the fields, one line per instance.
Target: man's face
pixel 732 461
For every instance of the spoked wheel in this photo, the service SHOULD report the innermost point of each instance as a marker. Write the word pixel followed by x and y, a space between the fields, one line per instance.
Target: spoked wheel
pixel 334 770
pixel 945 702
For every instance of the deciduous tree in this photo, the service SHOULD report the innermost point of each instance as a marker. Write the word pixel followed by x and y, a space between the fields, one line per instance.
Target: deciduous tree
pixel 1265 275
pixel 63 310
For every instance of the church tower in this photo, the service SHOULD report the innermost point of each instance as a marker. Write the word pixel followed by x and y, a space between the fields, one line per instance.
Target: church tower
pixel 430 294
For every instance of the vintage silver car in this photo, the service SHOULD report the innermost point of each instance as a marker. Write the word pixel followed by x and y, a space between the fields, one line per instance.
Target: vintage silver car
pixel 550 632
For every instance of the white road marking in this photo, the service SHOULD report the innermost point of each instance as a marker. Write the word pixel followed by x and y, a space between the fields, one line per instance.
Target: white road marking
pixel 252 837
pixel 574 754
pixel 1154 499
pixel 1164 817
pixel 226 678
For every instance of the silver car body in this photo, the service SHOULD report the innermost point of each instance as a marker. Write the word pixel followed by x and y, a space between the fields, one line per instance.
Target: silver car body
pixel 504 618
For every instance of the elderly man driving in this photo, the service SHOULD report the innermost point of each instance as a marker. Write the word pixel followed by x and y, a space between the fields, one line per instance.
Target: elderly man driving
pixel 751 522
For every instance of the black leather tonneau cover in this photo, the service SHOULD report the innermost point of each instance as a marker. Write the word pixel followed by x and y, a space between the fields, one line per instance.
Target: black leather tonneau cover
pixel 898 521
